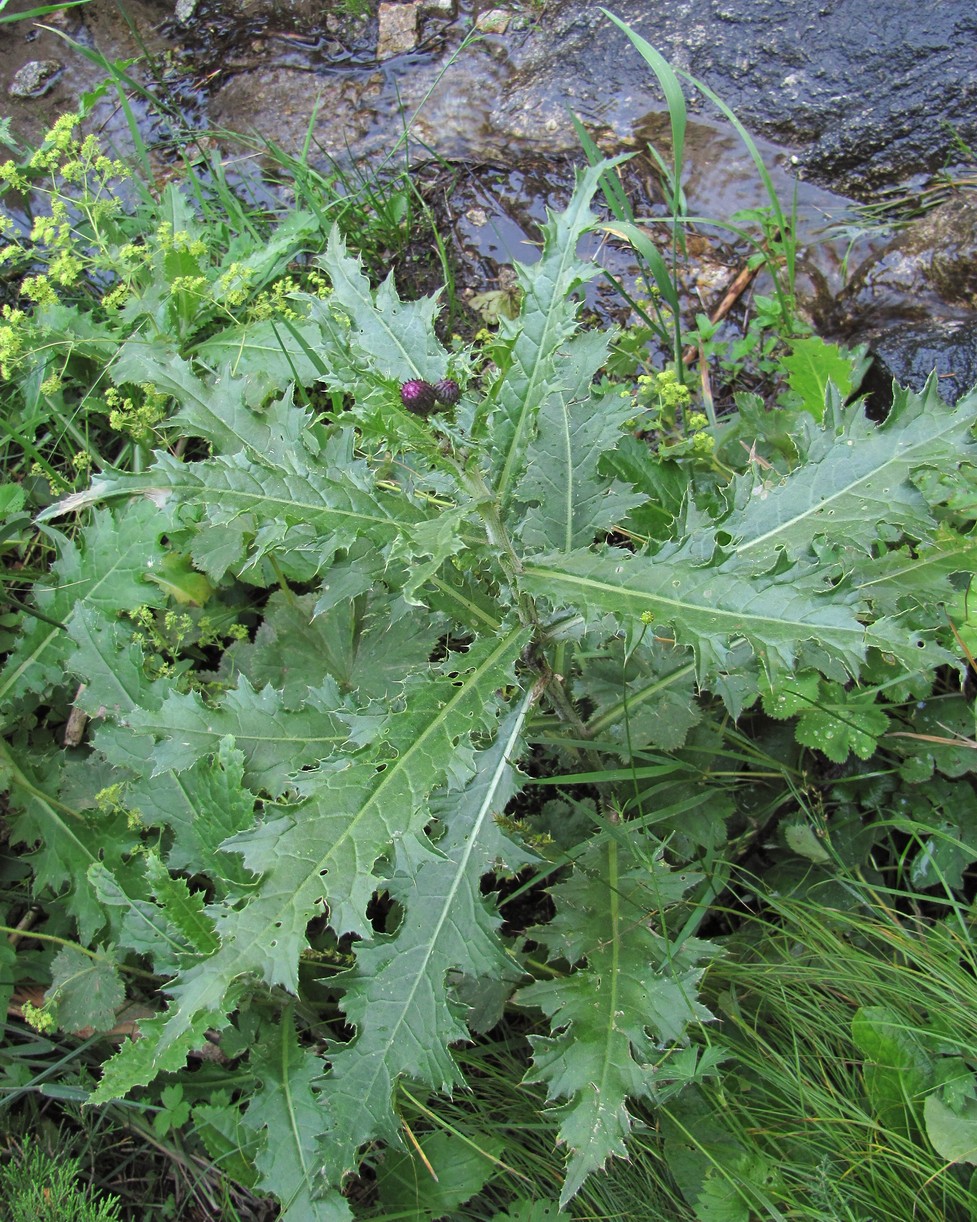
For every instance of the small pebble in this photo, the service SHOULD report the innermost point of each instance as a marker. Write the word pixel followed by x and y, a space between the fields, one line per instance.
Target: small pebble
pixel 493 21
pixel 398 30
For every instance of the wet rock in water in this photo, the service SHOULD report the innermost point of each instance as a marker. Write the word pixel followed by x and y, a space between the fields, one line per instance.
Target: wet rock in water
pixel 35 78
pixel 930 264
pixel 865 93
pixel 861 99
pixel 913 302
pixel 949 234
pixel 397 30
pixel 910 351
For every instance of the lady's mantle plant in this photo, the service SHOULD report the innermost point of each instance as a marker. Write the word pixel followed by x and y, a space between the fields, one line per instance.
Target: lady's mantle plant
pixel 291 831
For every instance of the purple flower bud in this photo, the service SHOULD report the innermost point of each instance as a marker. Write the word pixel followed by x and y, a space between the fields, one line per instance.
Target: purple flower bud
pixel 418 396
pixel 447 392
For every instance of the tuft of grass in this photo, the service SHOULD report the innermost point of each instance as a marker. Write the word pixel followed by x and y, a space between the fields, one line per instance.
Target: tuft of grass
pixel 499 1112
pixel 766 234
pixel 849 1089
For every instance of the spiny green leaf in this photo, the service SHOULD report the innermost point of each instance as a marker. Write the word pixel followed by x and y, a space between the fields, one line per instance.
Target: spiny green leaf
pixel 170 929
pixel 912 578
pixel 105 570
pixel 277 742
pixel 356 806
pixel 370 645
pixel 262 510
pixel 112 665
pixel 220 1127
pixel 213 407
pixel 394 337
pixel 856 483
pixel 138 1062
pixel 569 500
pixel 289 1113
pixel 707 608
pixel 322 852
pixel 62 841
pixel 273 353
pixel 397 995
pixel 532 368
pixel 612 1019
pixel 204 804
pixel 202 807
pixel 642 694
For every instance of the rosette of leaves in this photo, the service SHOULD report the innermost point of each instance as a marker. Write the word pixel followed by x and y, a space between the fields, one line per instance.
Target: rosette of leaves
pixel 301 826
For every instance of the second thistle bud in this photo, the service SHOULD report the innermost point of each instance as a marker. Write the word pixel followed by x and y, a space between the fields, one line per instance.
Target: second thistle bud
pixel 418 396
pixel 447 392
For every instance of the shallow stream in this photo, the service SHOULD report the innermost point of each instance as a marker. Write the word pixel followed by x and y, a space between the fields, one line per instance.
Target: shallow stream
pixel 496 106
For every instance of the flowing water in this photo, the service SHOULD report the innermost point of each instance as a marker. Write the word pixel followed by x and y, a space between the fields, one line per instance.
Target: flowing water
pixel 496 108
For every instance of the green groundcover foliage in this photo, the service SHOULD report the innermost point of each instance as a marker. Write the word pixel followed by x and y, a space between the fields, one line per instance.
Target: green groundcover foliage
pixel 331 653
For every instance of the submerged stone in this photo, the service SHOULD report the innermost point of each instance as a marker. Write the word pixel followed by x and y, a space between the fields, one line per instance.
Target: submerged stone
pixel 34 79
pixel 910 351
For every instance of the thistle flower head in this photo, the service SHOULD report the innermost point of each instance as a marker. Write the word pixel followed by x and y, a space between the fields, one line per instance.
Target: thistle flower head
pixel 418 396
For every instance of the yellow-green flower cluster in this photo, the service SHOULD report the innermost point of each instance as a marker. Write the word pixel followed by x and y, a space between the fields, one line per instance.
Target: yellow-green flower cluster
pixel 12 177
pixel 177 625
pixel 664 392
pixel 274 302
pixel 38 289
pixel 110 802
pixel 53 228
pixel 116 297
pixel 663 396
pixel 58 143
pixel 703 443
pixel 38 1017
pixel 180 240
pixel 193 286
pixel 233 287
pixel 137 418
pixel 80 198
pixel 56 481
pixel 13 340
pixel 80 162
pixel 8 229
pixel 65 269
pixel 665 402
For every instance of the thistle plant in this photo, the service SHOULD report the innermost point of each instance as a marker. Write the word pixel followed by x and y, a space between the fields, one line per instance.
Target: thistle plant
pixel 414 624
